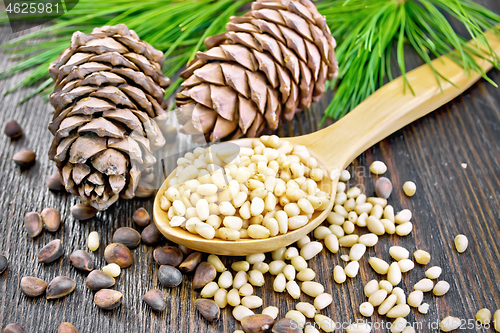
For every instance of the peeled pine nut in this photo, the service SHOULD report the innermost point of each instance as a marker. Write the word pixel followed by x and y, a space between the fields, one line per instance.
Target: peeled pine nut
pixel 307 309
pixel 339 275
pixel 337 230
pixel 233 297
pixel 399 253
pixel 289 272
pixel 335 218
pixel 449 324
pixel 220 298
pixel 279 283
pixel 246 290
pixel 366 309
pixel 306 275
pixel 389 213
pixel 209 290
pixel 251 302
pixel 441 288
pixel 357 251
pixel 345 257
pixel 387 305
pixel 394 274
pixel 297 316
pixel 379 265
pixel 332 243
pixel 240 279
pixel 386 285
pixel 368 240
pixel 415 298
pixel 322 301
pixel 406 265
pixel 261 266
pixel 310 250
pixel 359 328
pixel 409 329
pixel 321 232
pixel 299 263
pixel 240 266
pixel 279 254
pixel 400 294
pixel 271 311
pixel 422 257
pixel 403 216
pixel 348 241
pixel 93 241
pixel 389 226
pixel 378 168
pixel 291 252
pixel 325 323
pixel 112 270
pixel 424 285
pixel 352 268
pixel 401 310
pixel 496 320
pixel 461 243
pixel 375 226
pixel 433 272
pixel 423 308
pixel 293 289
pixel 398 325
pixel 256 278
pixel 404 229
pixel 377 297
pixel 226 280
pixel 240 312
pixel 371 287
pixel 409 188
pixel 348 227
pixel 276 267
pixel 312 289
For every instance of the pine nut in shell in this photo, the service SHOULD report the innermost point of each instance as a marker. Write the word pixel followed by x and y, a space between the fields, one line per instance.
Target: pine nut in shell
pixel 59 287
pixel 383 187
pixel 155 300
pixel 209 309
pixel 81 260
pixel 33 286
pixel 33 224
pixel 441 288
pixel 50 252
pixel 66 328
pixel 51 219
pixel 13 328
pixel 257 323
pixel 97 280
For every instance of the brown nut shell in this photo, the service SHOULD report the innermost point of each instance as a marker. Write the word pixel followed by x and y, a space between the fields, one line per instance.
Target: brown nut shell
pixel 81 260
pixel 33 286
pixel 67 328
pixel 59 287
pixel 51 218
pixel 119 254
pixel 168 255
pixel 50 252
pixel 33 224
pixel 108 299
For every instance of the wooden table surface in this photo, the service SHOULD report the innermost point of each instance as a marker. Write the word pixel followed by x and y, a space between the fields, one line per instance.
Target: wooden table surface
pixel 453 155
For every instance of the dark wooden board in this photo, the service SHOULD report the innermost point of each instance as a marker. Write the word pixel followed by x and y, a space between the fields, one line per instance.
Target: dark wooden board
pixel 450 200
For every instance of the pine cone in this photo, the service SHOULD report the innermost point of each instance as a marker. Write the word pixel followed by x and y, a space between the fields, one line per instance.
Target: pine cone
pixel 271 63
pixel 108 88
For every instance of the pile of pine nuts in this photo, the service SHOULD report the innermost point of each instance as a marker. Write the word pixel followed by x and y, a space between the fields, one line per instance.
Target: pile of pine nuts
pixel 232 193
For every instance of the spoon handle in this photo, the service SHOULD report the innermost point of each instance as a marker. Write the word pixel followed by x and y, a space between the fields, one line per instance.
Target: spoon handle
pixel 389 109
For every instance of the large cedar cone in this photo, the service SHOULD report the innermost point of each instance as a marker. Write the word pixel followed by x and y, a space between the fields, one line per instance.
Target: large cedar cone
pixel 271 63
pixel 108 88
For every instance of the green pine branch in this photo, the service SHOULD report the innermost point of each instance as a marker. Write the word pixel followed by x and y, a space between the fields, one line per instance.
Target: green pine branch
pixel 367 32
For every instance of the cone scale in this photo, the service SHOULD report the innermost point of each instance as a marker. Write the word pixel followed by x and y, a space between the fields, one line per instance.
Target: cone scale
pixel 269 64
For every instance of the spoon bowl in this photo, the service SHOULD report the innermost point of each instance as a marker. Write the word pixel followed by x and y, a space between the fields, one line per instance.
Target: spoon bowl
pixel 384 112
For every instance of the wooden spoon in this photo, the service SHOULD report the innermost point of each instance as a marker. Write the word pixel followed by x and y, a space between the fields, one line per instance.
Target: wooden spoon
pixel 384 112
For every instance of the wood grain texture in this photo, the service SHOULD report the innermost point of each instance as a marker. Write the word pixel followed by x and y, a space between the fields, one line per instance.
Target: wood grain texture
pixel 450 199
